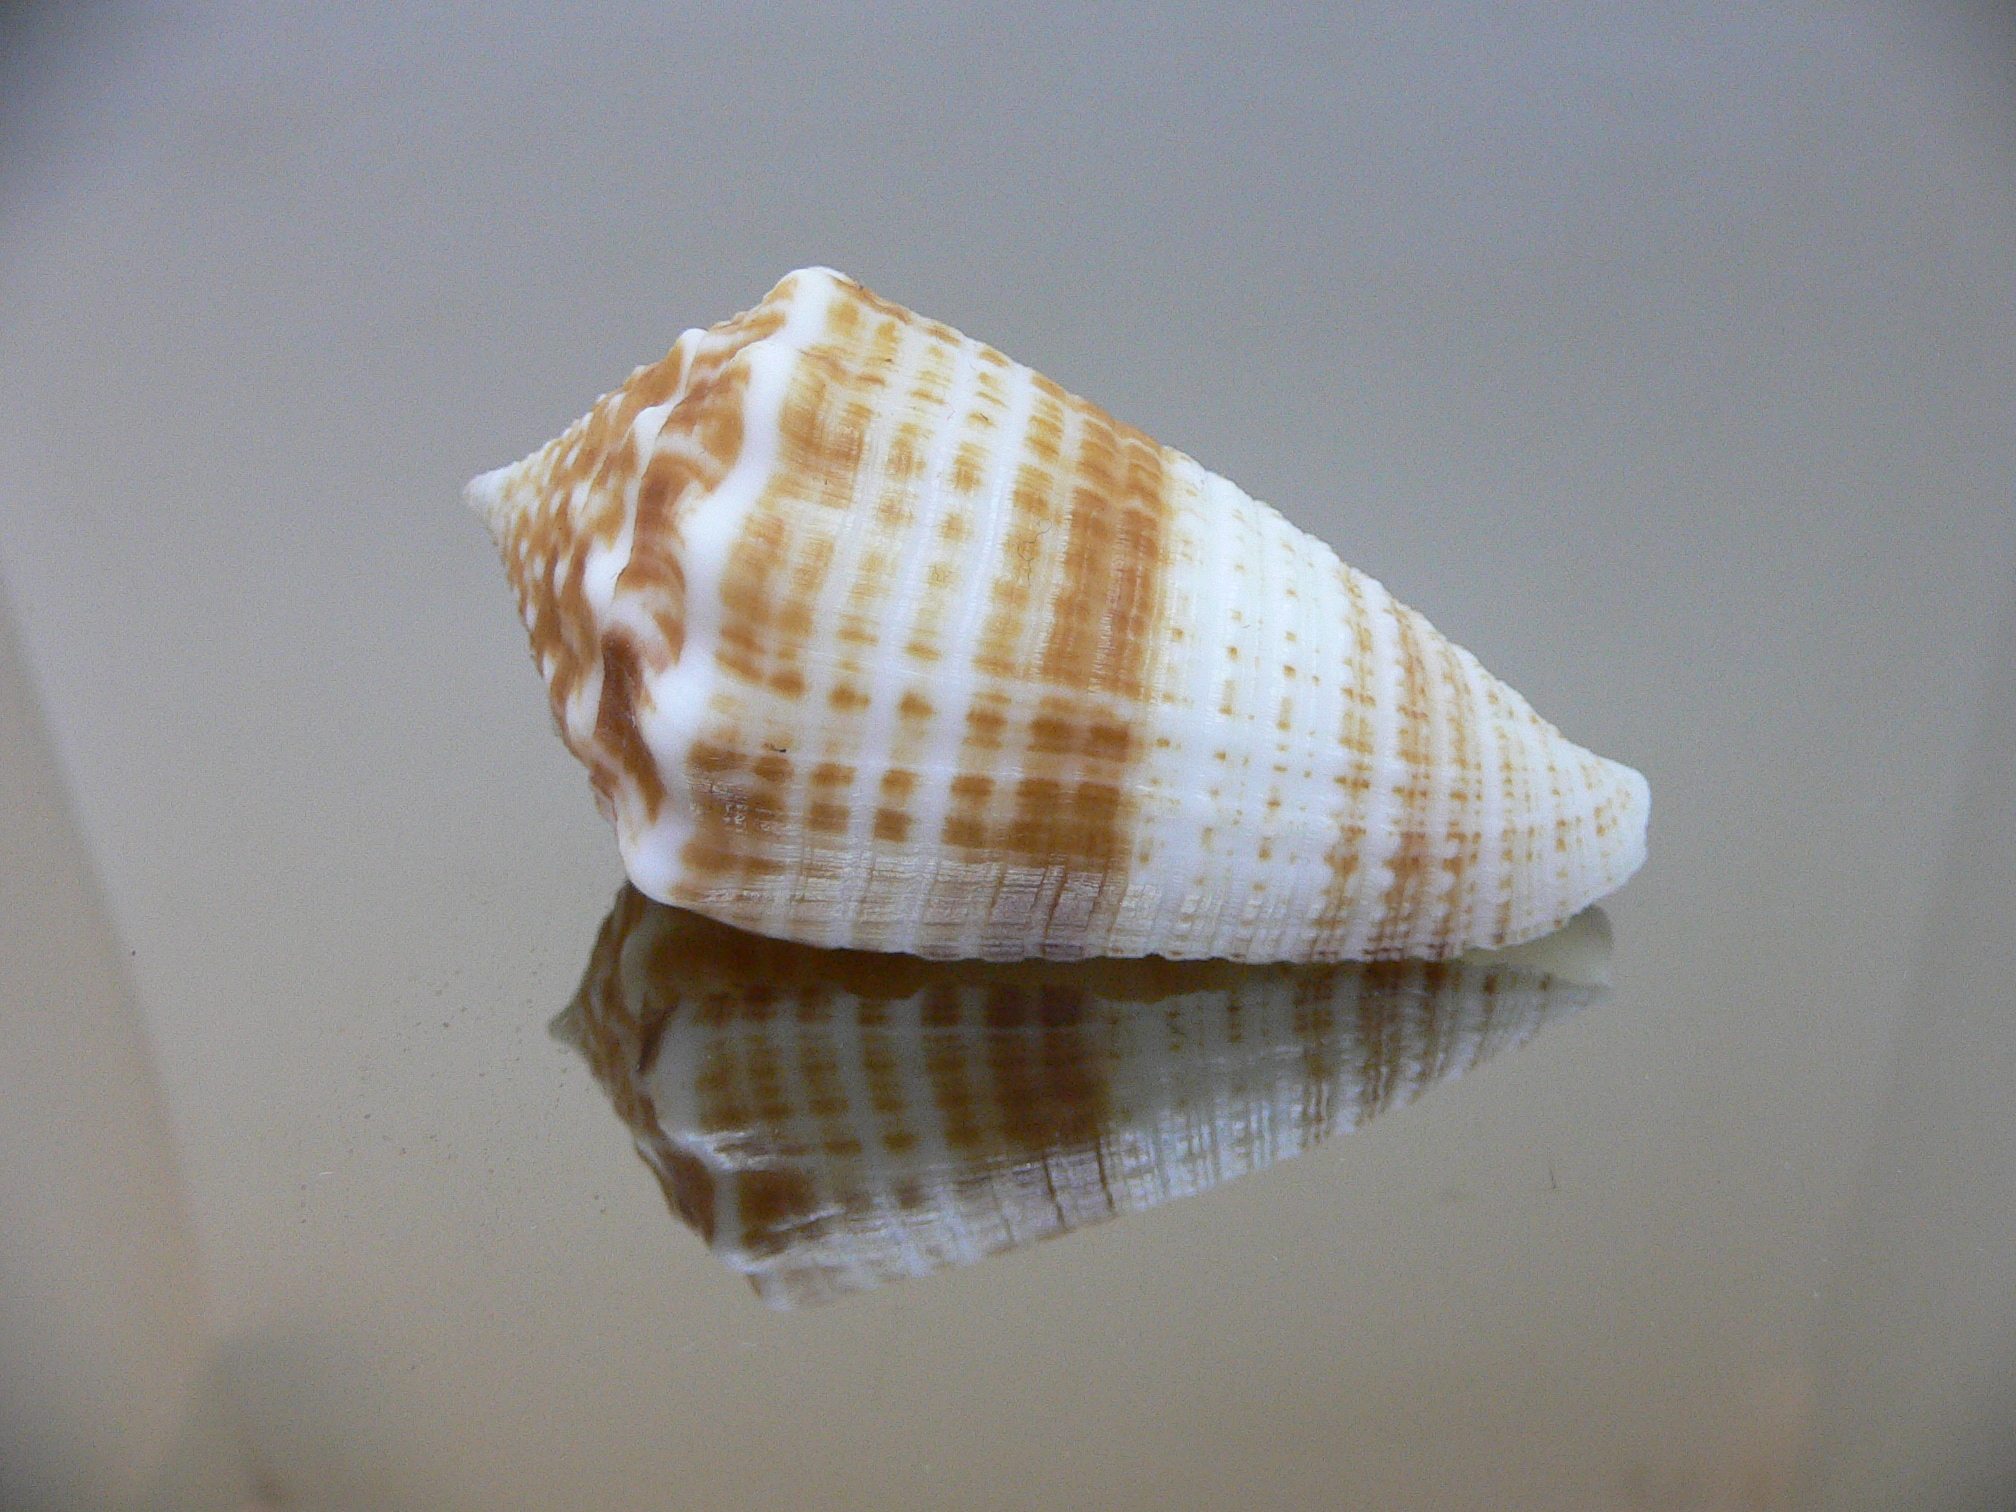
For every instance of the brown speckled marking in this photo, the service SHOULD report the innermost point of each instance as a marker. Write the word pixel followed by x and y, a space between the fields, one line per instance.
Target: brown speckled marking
pixel 883 1076
pixel 947 1069
pixel 741 1083
pixel 987 721
pixel 969 464
pixel 1512 793
pixel 1022 559
pixel 1315 1024
pixel 618 749
pixel 1463 836
pixel 734 811
pixel 546 544
pixel 1345 858
pixel 966 823
pixel 751 613
pixel 1413 861
pixel 942 591
pixel 1100 635
pixel 1072 615
pixel 828 434
pixel 892 818
pixel 1073 604
pixel 1049 1092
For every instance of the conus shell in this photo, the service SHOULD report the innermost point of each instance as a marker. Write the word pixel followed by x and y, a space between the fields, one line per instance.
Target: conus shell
pixel 870 637
pixel 829 1121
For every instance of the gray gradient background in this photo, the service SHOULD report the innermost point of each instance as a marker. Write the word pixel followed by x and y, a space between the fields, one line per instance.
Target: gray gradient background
pixel 1662 355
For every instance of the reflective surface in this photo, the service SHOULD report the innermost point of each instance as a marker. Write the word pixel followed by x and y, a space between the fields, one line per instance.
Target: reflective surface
pixel 830 1121
pixel 1662 358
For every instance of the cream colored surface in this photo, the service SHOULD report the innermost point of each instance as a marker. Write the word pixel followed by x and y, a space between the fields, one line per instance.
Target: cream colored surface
pixel 1918 1342
pixel 1660 356
pixel 108 1393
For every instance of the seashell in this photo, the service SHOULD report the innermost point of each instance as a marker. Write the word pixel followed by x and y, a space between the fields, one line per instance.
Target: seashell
pixel 870 637
pixel 830 1121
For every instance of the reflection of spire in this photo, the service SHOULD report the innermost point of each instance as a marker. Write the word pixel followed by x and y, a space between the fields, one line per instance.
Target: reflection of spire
pixel 831 1120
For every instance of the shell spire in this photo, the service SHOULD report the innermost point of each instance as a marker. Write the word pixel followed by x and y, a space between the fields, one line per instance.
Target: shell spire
pixel 488 496
pixel 871 637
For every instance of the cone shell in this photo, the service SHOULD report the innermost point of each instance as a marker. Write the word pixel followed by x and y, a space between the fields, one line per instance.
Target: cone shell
pixel 829 1121
pixel 870 637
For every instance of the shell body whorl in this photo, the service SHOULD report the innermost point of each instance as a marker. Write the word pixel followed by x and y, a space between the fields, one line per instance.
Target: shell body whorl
pixel 870 637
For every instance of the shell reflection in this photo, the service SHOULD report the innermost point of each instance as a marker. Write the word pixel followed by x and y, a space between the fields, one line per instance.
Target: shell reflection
pixel 833 1120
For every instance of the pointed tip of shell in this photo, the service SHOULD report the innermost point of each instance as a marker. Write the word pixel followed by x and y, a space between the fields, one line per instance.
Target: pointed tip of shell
pixel 569 1027
pixel 1626 797
pixel 486 495
pixel 1636 819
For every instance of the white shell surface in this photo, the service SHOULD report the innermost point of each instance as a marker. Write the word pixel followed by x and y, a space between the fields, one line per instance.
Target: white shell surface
pixel 831 1121
pixel 873 638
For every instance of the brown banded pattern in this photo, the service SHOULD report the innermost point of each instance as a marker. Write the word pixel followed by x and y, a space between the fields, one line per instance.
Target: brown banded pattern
pixel 831 1120
pixel 872 637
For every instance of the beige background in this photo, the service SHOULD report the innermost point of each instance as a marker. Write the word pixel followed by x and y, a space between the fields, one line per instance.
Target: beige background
pixel 1662 355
